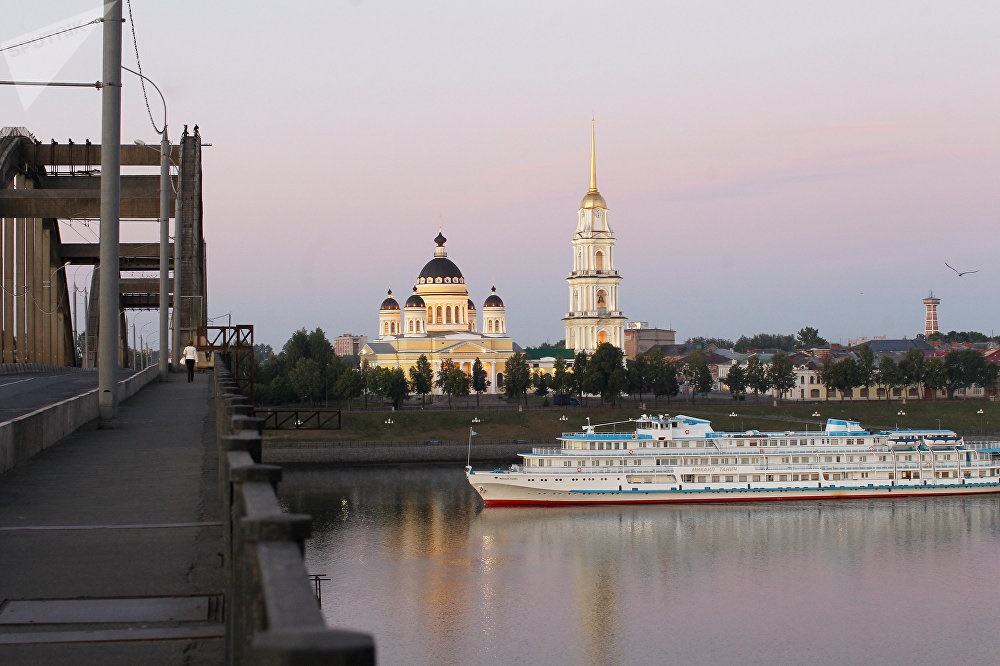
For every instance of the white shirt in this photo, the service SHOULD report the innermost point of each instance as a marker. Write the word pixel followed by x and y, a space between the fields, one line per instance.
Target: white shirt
pixel 190 353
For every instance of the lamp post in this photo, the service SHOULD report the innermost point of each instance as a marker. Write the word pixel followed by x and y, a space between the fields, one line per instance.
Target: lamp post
pixel 164 234
pixel 982 429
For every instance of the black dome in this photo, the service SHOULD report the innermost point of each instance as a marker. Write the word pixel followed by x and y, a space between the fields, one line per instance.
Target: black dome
pixel 389 303
pixel 414 301
pixel 441 267
pixel 493 301
pixel 472 306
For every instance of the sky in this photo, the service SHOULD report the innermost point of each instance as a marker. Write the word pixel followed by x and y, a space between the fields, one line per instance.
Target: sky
pixel 767 165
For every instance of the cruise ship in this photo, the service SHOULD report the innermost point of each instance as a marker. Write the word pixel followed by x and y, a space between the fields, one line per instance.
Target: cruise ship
pixel 675 459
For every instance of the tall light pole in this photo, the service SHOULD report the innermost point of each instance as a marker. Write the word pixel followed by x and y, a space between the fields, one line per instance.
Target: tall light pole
pixel 111 131
pixel 164 227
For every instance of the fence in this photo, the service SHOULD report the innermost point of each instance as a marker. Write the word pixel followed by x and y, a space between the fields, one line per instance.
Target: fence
pixel 272 614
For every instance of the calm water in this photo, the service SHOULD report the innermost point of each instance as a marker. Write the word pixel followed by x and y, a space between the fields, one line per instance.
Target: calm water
pixel 437 580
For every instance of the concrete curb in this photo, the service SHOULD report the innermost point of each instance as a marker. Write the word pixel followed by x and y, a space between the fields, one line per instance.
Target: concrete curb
pixel 23 437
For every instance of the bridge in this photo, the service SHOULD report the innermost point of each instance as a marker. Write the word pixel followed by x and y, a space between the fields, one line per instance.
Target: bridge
pixel 158 541
pixel 45 184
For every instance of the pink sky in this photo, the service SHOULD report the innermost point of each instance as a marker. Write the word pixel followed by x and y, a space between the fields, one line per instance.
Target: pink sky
pixel 768 165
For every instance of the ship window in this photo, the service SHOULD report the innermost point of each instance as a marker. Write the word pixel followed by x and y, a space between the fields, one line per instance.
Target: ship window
pixel 743 477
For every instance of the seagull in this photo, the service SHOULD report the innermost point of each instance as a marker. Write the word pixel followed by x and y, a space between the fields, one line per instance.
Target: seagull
pixel 960 273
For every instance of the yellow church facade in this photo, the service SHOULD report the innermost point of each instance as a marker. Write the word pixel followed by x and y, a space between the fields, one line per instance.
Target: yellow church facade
pixel 440 321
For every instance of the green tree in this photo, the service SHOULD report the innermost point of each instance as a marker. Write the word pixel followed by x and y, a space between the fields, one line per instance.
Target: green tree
pixel 518 378
pixel 704 343
pixel 306 380
pixel 888 375
pixel 935 375
pixel 480 382
pixel 580 373
pixel 422 378
pixel 663 375
pixel 765 341
pixel 452 381
pixel 781 374
pixel 349 385
pixel 736 380
pixel 540 381
pixel 866 366
pixel 395 386
pixel 638 375
pixel 843 376
pixel 911 367
pixel 606 373
pixel 756 377
pixel 967 367
pixel 562 377
pixel 809 338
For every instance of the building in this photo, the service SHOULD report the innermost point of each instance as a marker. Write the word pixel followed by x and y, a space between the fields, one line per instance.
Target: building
pixel 594 317
pixel 439 320
pixel 930 315
pixel 640 338
pixel 349 344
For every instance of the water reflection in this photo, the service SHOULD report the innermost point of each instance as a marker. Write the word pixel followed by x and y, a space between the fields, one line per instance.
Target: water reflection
pixel 414 561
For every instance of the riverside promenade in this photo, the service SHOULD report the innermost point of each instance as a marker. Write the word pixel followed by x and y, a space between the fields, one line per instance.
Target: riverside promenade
pixel 111 543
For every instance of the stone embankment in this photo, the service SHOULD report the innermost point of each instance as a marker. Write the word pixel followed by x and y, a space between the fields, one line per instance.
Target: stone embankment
pixel 286 452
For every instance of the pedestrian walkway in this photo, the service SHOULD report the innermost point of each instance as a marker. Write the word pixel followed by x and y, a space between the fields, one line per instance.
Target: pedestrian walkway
pixel 110 541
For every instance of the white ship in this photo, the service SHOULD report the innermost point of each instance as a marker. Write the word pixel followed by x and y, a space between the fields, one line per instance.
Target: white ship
pixel 679 458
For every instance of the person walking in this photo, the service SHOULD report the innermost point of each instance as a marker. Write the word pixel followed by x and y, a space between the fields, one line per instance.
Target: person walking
pixel 190 356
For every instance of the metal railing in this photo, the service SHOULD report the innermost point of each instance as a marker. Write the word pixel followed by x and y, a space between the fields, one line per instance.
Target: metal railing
pixel 272 614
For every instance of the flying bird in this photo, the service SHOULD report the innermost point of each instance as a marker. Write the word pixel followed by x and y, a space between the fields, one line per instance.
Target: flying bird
pixel 960 273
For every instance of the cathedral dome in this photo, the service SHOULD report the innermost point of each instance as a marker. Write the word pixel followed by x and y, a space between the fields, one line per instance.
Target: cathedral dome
pixel 440 266
pixel 472 306
pixel 493 301
pixel 389 303
pixel 415 301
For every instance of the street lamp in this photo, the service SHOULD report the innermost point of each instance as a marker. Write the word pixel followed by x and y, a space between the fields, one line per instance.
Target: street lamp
pixel 164 235
pixel 389 421
pixel 982 429
pixel 563 418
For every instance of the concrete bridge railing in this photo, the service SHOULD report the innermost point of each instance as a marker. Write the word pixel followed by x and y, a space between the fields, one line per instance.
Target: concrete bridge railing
pixel 272 615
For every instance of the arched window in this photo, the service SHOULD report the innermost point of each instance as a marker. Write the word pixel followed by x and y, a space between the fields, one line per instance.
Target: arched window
pixel 447 314
pixel 599 261
pixel 602 298
pixel 430 314
pixel 499 381
pixel 602 337
pixel 440 315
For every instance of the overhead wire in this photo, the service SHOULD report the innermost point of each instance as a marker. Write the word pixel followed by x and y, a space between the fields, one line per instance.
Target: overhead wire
pixel 142 78
pixel 53 34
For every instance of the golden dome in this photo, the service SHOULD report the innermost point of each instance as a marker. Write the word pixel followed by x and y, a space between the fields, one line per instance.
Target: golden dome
pixel 593 200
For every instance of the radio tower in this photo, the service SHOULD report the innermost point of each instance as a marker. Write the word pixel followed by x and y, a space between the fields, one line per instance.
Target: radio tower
pixel 930 318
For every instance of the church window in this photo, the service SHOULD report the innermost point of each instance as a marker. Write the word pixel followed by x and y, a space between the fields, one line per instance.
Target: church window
pixel 411 326
pixel 430 314
pixel 489 326
pixel 447 280
pixel 602 337
pixel 440 315
pixel 447 315
pixel 438 280
pixel 602 298
pixel 599 261
pixel 500 381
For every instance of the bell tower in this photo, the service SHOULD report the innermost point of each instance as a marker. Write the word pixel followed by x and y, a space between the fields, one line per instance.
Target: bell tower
pixel 594 316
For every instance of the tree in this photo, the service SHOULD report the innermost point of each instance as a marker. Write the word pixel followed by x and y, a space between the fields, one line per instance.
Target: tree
pixel 756 377
pixel 306 380
pixel 967 367
pixel 935 376
pixel 540 381
pixel 866 366
pixel 809 338
pixel 911 367
pixel 349 385
pixel 781 374
pixel 765 341
pixel 736 380
pixel 697 374
pixel 480 383
pixel 389 383
pixel 452 381
pixel 562 378
pixel 842 376
pixel 638 375
pixel 663 375
pixel 579 373
pixel 422 378
pixel 704 343
pixel 888 375
pixel 606 373
pixel 518 378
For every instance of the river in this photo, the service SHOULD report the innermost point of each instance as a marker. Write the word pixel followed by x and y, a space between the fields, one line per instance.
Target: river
pixel 414 560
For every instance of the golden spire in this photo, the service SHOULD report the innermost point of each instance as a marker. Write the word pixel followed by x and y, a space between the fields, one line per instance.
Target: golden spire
pixel 593 158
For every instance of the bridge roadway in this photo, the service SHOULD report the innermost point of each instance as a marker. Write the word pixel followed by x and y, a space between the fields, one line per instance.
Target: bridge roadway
pixel 110 542
pixel 23 393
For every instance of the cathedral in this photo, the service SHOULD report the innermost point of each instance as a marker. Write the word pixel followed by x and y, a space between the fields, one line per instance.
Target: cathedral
pixel 439 320
pixel 593 317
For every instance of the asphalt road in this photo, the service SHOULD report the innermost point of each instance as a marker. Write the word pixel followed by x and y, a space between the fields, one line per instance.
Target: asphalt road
pixel 24 393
